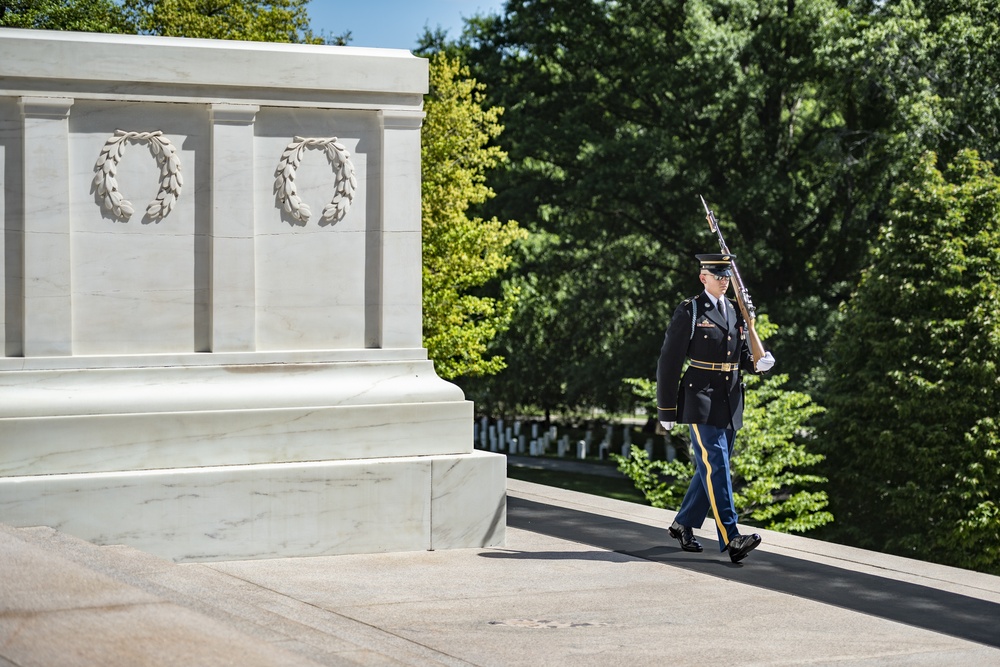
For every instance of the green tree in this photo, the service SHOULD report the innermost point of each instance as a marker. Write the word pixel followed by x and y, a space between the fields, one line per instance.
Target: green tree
pixel 461 254
pixel 771 487
pixel 78 15
pixel 585 318
pixel 964 42
pixel 911 433
pixel 248 20
pixel 795 120
pixel 621 113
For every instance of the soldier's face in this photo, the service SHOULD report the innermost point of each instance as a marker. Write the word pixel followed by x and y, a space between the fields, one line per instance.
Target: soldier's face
pixel 714 286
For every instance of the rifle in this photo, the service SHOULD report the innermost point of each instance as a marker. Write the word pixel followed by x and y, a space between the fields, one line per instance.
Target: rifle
pixel 742 295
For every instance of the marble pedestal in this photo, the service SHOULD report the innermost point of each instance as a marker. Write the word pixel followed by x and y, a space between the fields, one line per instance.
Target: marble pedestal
pixel 211 326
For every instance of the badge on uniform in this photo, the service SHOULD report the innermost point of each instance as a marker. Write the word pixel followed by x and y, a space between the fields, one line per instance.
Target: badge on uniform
pixel 705 322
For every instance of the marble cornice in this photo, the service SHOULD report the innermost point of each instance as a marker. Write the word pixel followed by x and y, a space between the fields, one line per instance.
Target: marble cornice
pixel 204 62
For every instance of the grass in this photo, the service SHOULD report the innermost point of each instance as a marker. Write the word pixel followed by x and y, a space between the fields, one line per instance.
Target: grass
pixel 598 485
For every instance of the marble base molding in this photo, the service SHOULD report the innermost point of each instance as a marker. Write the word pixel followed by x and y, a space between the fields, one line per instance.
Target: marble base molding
pixel 274 510
pixel 110 420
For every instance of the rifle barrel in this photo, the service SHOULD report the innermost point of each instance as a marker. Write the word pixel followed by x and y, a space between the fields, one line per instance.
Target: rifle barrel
pixel 742 293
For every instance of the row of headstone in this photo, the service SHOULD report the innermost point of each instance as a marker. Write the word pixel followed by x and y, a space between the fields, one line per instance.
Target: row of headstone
pixel 509 438
pixel 501 437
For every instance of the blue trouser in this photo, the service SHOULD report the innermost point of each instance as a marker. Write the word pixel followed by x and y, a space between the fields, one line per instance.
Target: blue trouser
pixel 712 485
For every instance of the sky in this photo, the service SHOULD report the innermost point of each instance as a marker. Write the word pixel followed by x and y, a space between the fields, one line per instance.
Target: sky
pixel 393 24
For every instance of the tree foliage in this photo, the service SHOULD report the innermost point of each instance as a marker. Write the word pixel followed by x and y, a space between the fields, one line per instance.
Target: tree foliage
pixel 912 434
pixel 247 20
pixel 793 119
pixel 77 15
pixel 461 254
pixel 579 329
pixel 772 488
pixel 621 113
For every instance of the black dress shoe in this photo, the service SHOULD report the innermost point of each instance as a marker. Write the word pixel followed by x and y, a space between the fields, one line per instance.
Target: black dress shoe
pixel 684 535
pixel 741 545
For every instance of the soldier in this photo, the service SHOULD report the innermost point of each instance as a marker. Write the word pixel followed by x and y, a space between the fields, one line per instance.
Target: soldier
pixel 710 331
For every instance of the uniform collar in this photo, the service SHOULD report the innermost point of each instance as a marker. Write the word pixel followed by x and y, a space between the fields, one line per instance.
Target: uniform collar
pixel 711 299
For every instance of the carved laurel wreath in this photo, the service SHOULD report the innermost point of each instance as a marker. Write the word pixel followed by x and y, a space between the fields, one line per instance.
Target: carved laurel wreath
pixel 170 174
pixel 284 183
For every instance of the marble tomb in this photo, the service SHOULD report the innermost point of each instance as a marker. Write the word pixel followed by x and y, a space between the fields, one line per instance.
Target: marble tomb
pixel 211 303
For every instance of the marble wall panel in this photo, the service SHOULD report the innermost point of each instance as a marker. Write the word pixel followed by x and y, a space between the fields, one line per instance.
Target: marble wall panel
pixel 140 285
pixel 311 275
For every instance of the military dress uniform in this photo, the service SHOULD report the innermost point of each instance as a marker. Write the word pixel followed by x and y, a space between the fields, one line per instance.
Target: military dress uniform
pixel 709 398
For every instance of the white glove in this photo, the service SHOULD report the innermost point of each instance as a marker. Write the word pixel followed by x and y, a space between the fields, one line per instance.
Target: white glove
pixel 765 363
pixel 668 425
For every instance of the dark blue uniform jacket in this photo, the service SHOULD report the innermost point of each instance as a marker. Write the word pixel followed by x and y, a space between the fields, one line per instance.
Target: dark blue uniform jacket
pixel 702 396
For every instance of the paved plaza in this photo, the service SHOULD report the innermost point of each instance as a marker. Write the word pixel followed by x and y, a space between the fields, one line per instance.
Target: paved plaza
pixel 582 580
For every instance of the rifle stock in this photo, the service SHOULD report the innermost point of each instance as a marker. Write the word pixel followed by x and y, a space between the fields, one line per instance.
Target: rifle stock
pixel 742 295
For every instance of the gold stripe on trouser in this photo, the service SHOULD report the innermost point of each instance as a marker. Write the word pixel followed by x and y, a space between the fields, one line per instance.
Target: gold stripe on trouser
pixel 708 483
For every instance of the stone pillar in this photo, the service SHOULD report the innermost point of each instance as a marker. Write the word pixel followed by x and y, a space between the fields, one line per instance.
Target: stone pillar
pixel 401 307
pixel 233 281
pixel 48 312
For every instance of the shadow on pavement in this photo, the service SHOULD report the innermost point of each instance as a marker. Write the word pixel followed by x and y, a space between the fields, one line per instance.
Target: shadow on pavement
pixel 928 608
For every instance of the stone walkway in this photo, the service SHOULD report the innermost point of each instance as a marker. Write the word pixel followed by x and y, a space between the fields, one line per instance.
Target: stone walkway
pixel 582 580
